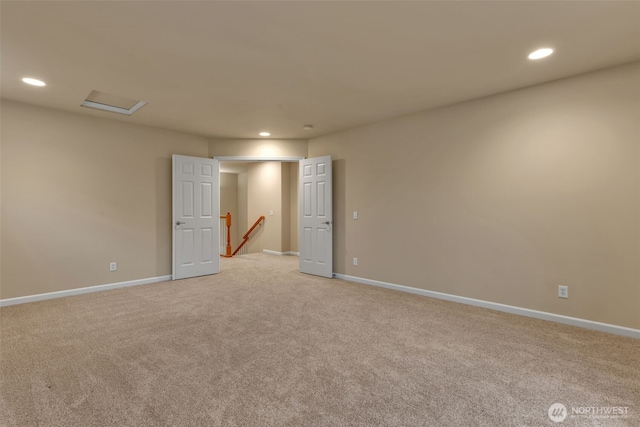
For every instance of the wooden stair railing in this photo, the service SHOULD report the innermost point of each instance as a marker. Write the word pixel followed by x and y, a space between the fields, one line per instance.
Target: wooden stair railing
pixel 228 218
pixel 245 238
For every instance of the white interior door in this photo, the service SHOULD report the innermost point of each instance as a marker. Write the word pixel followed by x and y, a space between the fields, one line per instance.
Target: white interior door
pixel 196 209
pixel 316 216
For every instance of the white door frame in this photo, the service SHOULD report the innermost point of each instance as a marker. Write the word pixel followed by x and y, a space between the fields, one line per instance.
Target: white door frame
pixel 257 159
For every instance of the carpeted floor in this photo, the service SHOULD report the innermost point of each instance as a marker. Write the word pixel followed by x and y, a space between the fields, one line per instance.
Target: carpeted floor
pixel 262 345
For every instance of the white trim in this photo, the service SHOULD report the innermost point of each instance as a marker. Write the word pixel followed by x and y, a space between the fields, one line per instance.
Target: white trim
pixel 257 159
pixel 270 252
pixel 112 108
pixel 558 318
pixel 79 291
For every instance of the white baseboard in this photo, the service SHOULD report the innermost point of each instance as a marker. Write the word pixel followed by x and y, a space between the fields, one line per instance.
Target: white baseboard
pixel 270 252
pixel 558 318
pixel 79 291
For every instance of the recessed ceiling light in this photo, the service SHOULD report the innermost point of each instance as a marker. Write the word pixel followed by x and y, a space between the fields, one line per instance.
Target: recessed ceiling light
pixel 541 53
pixel 265 134
pixel 307 127
pixel 33 82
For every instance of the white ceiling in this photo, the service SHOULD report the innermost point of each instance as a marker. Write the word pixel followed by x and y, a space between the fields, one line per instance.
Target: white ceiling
pixel 232 69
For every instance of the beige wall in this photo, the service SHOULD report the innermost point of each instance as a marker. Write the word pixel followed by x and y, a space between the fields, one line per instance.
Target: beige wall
pixel 264 195
pixel 293 207
pixel 502 198
pixel 242 205
pixel 1 202
pixel 258 147
pixel 229 203
pixel 79 192
pixel 269 187
pixel 285 207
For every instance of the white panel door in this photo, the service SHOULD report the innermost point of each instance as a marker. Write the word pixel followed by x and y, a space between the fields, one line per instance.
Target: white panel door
pixel 316 216
pixel 196 209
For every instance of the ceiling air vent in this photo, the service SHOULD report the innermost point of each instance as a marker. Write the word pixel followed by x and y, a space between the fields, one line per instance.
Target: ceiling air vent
pixel 113 103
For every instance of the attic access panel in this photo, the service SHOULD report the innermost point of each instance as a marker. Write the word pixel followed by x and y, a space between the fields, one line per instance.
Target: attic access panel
pixel 112 103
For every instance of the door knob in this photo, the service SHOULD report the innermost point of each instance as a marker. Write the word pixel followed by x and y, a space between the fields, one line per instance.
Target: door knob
pixel 327 222
pixel 180 223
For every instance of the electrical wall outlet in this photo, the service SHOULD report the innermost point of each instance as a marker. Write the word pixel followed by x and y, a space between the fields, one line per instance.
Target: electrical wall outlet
pixel 563 292
pixel 355 214
pixel 113 266
pixel 355 261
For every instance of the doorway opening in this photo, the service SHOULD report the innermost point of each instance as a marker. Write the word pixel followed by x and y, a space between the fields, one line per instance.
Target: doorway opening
pixel 272 186
pixel 254 187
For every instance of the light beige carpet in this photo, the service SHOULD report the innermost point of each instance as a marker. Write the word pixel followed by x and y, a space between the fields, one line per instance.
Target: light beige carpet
pixel 263 345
